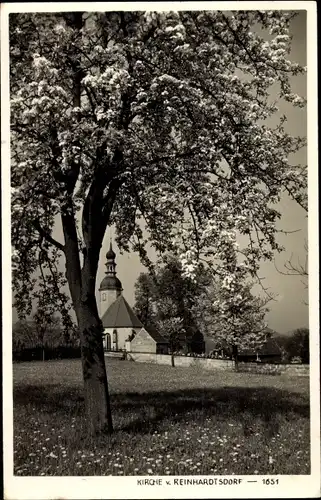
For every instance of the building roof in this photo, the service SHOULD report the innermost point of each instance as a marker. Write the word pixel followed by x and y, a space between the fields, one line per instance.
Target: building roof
pixel 119 314
pixel 110 283
pixel 110 254
pixel 156 336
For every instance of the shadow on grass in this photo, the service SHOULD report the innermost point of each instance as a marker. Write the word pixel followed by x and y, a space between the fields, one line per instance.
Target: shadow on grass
pixel 146 412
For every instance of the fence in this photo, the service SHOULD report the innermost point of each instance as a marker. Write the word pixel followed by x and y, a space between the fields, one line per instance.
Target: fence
pixel 221 364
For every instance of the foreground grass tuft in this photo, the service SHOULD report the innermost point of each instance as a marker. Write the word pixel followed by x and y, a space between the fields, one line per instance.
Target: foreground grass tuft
pixel 167 421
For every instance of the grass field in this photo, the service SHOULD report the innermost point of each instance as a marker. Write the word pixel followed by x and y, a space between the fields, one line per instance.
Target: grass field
pixel 167 421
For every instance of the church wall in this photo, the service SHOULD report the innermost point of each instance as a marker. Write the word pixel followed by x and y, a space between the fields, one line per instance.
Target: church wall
pixel 122 335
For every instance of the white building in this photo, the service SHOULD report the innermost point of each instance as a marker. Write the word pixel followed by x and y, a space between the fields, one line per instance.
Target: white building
pixel 119 320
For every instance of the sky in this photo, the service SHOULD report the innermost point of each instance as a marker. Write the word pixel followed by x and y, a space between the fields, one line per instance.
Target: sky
pixel 289 310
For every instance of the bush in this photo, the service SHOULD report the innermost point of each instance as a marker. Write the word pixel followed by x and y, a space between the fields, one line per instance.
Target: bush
pixel 36 353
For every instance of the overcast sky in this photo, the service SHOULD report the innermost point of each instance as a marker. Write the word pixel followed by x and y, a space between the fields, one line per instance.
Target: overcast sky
pixel 289 310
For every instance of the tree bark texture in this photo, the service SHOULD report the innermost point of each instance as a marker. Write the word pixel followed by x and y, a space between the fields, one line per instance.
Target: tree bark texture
pixel 97 399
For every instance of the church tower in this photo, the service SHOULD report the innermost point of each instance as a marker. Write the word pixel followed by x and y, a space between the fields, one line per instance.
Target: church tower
pixel 110 288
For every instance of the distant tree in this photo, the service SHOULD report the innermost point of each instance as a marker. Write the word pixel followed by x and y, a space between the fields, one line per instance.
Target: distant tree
pixel 144 306
pixel 172 329
pixel 48 331
pixel 23 335
pixel 281 342
pixel 298 346
pixel 165 300
pixel 162 116
pixel 38 332
pixel 231 314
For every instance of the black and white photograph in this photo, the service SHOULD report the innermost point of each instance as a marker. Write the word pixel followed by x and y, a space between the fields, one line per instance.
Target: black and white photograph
pixel 160 250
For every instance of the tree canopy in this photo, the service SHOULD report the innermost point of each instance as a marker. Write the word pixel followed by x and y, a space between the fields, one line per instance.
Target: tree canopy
pixel 166 299
pixel 180 99
pixel 161 118
pixel 229 312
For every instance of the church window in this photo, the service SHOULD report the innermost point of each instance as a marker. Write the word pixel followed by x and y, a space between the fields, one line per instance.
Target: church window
pixel 115 339
pixel 104 296
pixel 107 342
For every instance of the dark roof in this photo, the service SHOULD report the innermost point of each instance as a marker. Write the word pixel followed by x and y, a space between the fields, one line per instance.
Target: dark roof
pixel 110 254
pixel 110 283
pixel 156 336
pixel 120 314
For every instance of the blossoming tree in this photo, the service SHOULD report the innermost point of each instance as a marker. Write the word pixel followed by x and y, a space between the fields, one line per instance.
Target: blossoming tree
pixel 230 313
pixel 122 116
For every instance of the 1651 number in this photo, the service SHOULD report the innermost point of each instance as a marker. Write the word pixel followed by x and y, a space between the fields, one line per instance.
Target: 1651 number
pixel 270 482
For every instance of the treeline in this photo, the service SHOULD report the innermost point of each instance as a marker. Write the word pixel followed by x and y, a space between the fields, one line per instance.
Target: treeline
pixel 45 353
pixel 295 347
pixel 186 312
pixel 33 340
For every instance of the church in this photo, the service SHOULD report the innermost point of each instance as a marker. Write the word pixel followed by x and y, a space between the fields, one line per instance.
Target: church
pixel 120 323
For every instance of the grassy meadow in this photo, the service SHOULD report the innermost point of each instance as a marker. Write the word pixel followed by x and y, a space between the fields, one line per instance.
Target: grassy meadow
pixel 167 421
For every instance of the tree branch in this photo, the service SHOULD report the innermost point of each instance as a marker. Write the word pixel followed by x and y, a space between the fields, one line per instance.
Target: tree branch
pixel 47 236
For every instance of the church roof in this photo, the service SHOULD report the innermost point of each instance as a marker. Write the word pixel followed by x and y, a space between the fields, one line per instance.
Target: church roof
pixel 110 283
pixel 110 254
pixel 156 336
pixel 120 314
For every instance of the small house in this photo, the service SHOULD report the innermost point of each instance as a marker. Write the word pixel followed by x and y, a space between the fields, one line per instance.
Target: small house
pixel 149 341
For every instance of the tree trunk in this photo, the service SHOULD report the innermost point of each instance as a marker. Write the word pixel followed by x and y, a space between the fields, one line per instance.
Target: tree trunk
pixel 235 357
pixel 97 399
pixel 43 354
pixel 172 355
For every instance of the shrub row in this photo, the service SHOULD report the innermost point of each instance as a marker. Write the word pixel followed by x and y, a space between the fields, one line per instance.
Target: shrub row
pixel 38 353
